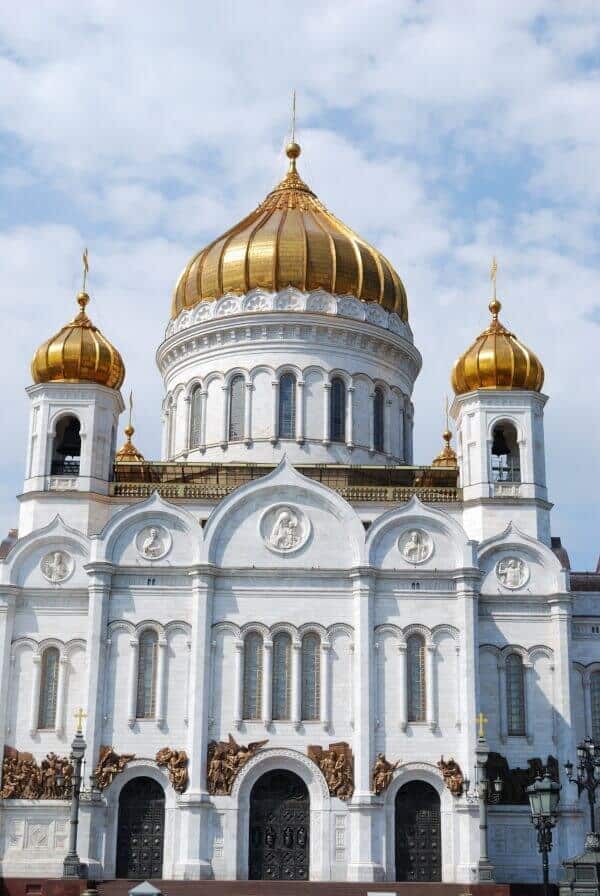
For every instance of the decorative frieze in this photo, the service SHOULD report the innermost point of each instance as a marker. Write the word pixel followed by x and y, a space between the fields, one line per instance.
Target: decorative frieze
pixel 452 774
pixel 337 764
pixel 24 779
pixel 224 761
pixel 110 764
pixel 176 764
pixel 383 772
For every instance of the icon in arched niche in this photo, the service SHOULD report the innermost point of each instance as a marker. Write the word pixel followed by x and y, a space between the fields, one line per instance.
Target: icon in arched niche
pixel 284 528
pixel 153 542
pixel 512 572
pixel 416 546
pixel 57 566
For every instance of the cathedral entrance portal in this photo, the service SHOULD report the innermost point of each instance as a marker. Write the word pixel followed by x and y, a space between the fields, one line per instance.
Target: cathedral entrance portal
pixel 279 828
pixel 418 833
pixel 141 830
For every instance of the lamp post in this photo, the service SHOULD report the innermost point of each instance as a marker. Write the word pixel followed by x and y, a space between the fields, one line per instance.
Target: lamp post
pixel 72 867
pixel 544 795
pixel 587 776
pixel 486 792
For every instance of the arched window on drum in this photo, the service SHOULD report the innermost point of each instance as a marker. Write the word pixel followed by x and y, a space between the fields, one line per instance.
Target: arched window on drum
pixel 146 682
pixel 515 695
pixel 505 455
pixel 66 447
pixel 237 389
pixel 415 659
pixel 48 688
pixel 196 417
pixel 337 410
pixel 253 675
pixel 378 419
pixel 311 677
pixel 282 679
pixel 287 407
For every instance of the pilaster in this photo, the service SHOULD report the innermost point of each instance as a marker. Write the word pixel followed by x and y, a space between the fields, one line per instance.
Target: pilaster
pixel 8 596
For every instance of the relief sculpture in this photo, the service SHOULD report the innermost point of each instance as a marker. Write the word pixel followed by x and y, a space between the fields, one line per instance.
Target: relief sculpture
pixel 176 763
pixel 109 765
pixel 453 776
pixel 24 779
pixel 337 765
pixel 224 761
pixel 515 780
pixel 382 773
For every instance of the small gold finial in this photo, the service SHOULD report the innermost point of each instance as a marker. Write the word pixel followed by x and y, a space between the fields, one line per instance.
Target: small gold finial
pixel 129 429
pixel 80 715
pixel 86 268
pixel 82 300
pixel 482 722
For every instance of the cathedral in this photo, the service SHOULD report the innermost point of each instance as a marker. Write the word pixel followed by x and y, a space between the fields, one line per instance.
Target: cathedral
pixel 289 643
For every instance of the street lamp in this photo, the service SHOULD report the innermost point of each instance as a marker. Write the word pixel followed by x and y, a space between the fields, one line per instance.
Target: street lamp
pixel 544 795
pixel 72 867
pixel 587 776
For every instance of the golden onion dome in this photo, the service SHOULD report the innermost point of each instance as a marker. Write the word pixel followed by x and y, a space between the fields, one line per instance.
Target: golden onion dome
pixel 497 360
pixel 290 240
pixel 78 353
pixel 128 453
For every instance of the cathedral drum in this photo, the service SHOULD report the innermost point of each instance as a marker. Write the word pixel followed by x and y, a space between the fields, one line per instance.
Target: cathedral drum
pixel 279 828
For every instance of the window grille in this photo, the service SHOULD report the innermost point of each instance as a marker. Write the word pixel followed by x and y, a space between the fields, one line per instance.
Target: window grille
pixel 311 683
pixel 236 408
pixel 415 656
pixel 595 701
pixel 253 666
pixel 146 684
pixel 48 688
pixel 282 649
pixel 196 417
pixel 515 695
pixel 378 421
pixel 287 406
pixel 337 411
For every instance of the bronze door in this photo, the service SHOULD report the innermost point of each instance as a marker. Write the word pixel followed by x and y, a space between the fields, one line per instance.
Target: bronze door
pixel 141 830
pixel 418 834
pixel 279 828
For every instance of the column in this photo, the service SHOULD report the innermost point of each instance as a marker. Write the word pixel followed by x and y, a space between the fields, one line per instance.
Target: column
pixel 97 652
pixel 267 682
pixel 35 694
pixel 326 393
pixel 502 707
pixel 458 722
pixel 186 422
pixel 133 673
pixel 238 683
pixel 248 414
pixel 528 673
pixel 225 421
pixel 164 442
pixel 296 683
pixel 161 667
pixel 7 615
pixel 401 453
pixel 350 418
pixel 274 411
pixel 300 412
pixel 402 688
pixel 387 426
pixel 372 421
pixel 325 651
pixel 203 404
pixel 61 687
pixel 430 718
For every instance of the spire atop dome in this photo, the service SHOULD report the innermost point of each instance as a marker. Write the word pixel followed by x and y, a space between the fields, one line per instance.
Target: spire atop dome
pixel 447 456
pixel 128 453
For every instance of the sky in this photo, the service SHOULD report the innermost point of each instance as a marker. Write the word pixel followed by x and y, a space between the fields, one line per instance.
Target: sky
pixel 444 133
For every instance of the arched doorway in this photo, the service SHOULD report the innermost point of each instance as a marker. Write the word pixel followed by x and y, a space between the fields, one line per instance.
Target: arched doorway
pixel 141 830
pixel 279 827
pixel 418 834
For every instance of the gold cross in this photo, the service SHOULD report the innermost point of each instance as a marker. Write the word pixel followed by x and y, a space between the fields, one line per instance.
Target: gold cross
pixel 482 722
pixel 293 115
pixel 86 267
pixel 80 715
pixel 493 273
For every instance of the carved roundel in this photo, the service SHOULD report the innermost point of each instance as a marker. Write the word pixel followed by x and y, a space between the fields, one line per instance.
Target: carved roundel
pixel 415 545
pixel 153 542
pixel 512 572
pixel 284 528
pixel 57 566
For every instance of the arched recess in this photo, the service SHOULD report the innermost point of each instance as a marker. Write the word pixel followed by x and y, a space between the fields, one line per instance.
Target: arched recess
pixel 320 807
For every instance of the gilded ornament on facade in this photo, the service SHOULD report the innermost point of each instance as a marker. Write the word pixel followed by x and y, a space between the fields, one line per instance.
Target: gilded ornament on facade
pixel 383 772
pixel 176 764
pixel 337 764
pixel 224 760
pixel 110 764
pixel 453 776
pixel 24 779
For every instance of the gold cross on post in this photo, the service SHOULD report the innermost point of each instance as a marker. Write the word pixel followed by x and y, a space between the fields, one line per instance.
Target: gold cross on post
pixel 482 722
pixel 493 273
pixel 293 116
pixel 86 268
pixel 80 715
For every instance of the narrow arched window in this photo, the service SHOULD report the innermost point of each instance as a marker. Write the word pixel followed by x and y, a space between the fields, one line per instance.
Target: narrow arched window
pixel 282 679
pixel 595 701
pixel 337 410
pixel 287 406
pixel 146 683
pixel 236 408
pixel 378 421
pixel 48 688
pixel 66 448
pixel 415 658
pixel 505 456
pixel 515 694
pixel 195 417
pixel 253 666
pixel 311 666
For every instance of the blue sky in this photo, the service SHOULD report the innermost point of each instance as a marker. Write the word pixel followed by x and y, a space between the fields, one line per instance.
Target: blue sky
pixel 445 133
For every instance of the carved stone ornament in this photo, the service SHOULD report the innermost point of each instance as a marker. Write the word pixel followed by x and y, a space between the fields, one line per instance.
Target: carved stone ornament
pixel 416 546
pixel 453 776
pixel 57 566
pixel 109 765
pixel 512 572
pixel 337 765
pixel 515 780
pixel 284 529
pixel 224 760
pixel 24 779
pixel 176 763
pixel 383 772
pixel 153 542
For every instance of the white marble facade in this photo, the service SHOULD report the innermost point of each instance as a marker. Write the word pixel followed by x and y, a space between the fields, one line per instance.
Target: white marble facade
pixel 475 582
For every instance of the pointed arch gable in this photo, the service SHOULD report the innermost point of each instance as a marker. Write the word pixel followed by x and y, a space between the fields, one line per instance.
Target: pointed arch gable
pixel 26 553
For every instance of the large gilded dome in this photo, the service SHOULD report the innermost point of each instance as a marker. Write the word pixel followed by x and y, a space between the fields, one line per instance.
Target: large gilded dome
pixel 290 240
pixel 497 360
pixel 78 353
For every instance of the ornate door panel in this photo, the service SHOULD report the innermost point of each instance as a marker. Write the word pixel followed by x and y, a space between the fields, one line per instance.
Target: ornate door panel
pixel 418 833
pixel 141 830
pixel 279 828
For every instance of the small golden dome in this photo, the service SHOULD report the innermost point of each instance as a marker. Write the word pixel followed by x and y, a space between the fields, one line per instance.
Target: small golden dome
pixel 78 353
pixel 290 240
pixel 129 454
pixel 447 456
pixel 497 360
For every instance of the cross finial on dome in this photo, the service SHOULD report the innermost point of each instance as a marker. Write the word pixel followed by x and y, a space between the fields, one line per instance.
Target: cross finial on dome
pixel 293 149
